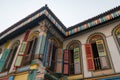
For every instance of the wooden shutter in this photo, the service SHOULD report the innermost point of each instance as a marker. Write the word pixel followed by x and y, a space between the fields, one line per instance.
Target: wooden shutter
pixel 102 54
pixel 89 57
pixel 66 62
pixel 20 54
pixel 26 54
pixel 26 35
pixel 101 48
pixel 104 62
pixel 50 53
pixel 77 61
pixel 32 52
pixel 45 51
pixel 59 57
pixel 4 58
pixel 39 44
pixel 43 43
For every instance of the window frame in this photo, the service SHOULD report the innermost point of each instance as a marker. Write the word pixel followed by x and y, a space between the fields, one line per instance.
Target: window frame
pixel 80 55
pixel 89 41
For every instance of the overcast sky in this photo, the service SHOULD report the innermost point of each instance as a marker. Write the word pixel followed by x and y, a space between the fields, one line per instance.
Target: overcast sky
pixel 70 12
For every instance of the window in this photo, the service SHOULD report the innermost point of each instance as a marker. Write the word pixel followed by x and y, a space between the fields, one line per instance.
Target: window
pixel 53 46
pixel 30 48
pixel 72 58
pixel 116 32
pixel 96 53
pixel 27 49
pixel 13 51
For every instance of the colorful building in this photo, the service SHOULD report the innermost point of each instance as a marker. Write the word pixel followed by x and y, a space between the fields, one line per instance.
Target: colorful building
pixel 40 47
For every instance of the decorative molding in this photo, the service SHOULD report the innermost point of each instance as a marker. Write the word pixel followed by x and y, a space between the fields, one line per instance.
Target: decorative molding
pixel 45 25
pixel 26 68
pixel 67 32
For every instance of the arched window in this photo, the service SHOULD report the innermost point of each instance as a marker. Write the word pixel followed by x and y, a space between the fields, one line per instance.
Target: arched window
pixel 30 48
pixel 96 53
pixel 52 53
pixel 74 58
pixel 13 51
pixel 116 33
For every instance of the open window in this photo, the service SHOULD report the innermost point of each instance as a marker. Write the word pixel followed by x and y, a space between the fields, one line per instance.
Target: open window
pixel 72 58
pixel 116 33
pixel 96 53
pixel 11 56
pixel 29 53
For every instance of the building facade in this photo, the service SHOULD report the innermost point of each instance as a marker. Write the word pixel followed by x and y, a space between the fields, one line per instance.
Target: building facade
pixel 40 47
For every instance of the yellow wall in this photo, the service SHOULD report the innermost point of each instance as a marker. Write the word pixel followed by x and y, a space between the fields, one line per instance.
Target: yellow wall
pixel 21 76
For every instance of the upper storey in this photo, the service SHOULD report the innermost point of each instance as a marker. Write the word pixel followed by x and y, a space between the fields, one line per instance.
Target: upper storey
pixel 46 13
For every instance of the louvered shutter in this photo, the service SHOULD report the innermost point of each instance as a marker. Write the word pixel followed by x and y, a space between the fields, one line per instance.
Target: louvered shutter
pixel 101 48
pixel 59 59
pixel 43 43
pixel 4 58
pixel 26 35
pixel 50 53
pixel 89 57
pixel 77 61
pixel 45 51
pixel 39 44
pixel 102 54
pixel 20 54
pixel 66 62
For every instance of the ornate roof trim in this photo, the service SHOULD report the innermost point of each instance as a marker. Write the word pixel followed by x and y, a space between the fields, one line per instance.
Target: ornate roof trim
pixel 109 15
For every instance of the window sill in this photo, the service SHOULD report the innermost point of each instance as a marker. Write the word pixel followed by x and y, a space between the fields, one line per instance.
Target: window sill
pixel 101 70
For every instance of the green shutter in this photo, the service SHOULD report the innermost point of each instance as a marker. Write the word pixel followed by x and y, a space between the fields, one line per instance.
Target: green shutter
pixel 21 54
pixel 101 48
pixel 4 58
pixel 18 61
pixel 43 43
pixel 77 69
pixel 38 45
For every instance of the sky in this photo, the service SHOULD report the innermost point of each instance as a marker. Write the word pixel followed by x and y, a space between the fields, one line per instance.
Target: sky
pixel 69 12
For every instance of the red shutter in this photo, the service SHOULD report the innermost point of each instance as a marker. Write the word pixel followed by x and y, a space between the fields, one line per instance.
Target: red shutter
pixel 22 50
pixel 89 57
pixel 20 54
pixel 59 60
pixel 66 67
pixel 26 35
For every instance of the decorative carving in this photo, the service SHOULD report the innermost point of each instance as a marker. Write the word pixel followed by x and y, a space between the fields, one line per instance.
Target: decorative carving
pixel 45 25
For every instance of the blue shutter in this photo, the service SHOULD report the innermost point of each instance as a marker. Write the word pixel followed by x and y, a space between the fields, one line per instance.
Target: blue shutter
pixel 11 78
pixel 45 50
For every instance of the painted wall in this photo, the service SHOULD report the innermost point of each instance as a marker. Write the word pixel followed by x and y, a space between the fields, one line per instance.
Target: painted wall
pixel 37 28
pixel 113 52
